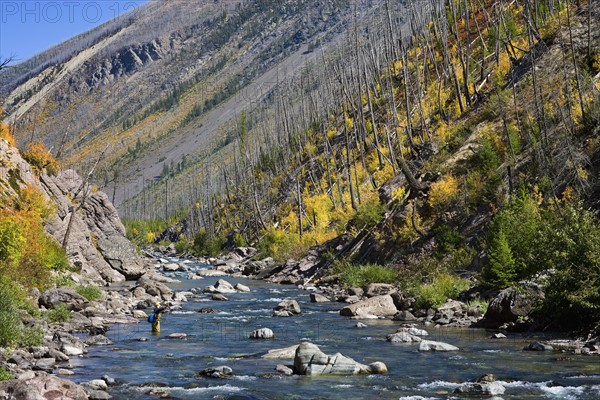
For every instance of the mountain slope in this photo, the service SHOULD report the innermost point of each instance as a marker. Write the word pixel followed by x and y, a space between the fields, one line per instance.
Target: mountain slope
pixel 159 83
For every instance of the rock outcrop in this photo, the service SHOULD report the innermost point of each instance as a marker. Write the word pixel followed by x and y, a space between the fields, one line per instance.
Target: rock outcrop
pixel 42 387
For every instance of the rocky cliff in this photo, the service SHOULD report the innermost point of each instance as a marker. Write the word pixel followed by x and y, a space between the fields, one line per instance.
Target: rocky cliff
pixel 97 245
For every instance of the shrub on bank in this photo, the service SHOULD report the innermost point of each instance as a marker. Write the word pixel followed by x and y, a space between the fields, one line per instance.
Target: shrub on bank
pixel 443 286
pixel 90 292
pixel 59 314
pixel 359 275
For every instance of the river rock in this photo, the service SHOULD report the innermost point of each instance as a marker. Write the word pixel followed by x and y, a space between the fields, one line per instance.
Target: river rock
pixel 222 371
pixel 171 267
pixel 360 325
pixel 417 331
pixel 96 384
pixel 222 287
pixel 97 394
pixel 318 298
pixel 287 308
pixel 67 296
pixel 262 333
pixel 538 346
pixel 379 289
pixel 310 360
pixel 430 345
pixel 71 350
pixel 45 364
pixel 140 314
pixel 286 352
pixel 480 389
pixel 241 288
pixel 219 297
pixel 284 370
pixel 379 306
pixel 406 316
pixel 402 337
pixel 513 303
pixel 210 272
pixel 498 336
pixel 43 387
pixel 65 372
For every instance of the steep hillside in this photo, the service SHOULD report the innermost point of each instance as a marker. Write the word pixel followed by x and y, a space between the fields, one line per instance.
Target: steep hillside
pixel 469 151
pixel 160 83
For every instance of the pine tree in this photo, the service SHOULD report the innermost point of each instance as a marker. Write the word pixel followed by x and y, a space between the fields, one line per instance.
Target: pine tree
pixel 500 271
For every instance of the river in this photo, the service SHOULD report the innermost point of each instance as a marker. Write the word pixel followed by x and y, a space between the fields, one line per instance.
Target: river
pixel 221 338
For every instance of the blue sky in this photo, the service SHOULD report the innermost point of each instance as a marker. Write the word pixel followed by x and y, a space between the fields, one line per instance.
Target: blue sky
pixel 28 27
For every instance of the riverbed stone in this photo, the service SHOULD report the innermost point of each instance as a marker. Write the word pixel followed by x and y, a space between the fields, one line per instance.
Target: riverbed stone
pixel 45 364
pixel 318 298
pixel 379 306
pixel 262 333
pixel 96 384
pixel 498 335
pixel 171 267
pixel 221 371
pixel 430 345
pixel 218 297
pixel 310 360
pixel 287 308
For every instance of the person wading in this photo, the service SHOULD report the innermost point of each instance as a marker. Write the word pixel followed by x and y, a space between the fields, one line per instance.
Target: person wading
pixel 155 317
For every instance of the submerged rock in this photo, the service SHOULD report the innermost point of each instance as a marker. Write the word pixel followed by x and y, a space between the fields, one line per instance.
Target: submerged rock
pixel 222 371
pixel 403 337
pixel 310 360
pixel 480 389
pixel 284 369
pixel 318 298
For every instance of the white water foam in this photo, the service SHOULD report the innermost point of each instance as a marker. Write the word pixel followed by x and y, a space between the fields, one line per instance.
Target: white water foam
pixel 417 398
pixel 183 312
pixel 492 351
pixel 245 378
pixel 559 392
pixel 174 389
pixel 438 384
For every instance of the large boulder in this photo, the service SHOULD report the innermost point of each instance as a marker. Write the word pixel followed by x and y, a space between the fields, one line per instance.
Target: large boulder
pixel 43 387
pixel 67 296
pixel 287 308
pixel 378 306
pixel 286 352
pixel 310 360
pixel 222 287
pixel 513 303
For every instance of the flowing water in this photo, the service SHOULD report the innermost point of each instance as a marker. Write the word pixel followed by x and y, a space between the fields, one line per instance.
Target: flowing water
pixel 221 338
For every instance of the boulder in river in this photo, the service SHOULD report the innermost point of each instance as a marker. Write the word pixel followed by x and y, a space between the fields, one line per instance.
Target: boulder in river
pixel 262 333
pixel 284 370
pixel 484 386
pixel 403 337
pixel 222 287
pixel 318 298
pixel 430 345
pixel 241 288
pixel 310 360
pixel 222 371
pixel 218 297
pixel 404 316
pixel 378 306
pixel 287 308
pixel 286 352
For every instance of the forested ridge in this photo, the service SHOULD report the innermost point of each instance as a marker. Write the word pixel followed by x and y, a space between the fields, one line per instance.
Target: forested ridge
pixel 462 152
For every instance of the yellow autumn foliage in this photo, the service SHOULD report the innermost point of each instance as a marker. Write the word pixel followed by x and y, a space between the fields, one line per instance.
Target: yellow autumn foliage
pixel 443 191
